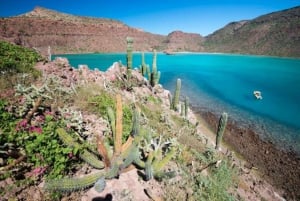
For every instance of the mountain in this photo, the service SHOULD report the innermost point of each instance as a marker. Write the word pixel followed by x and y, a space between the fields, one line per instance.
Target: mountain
pixel 41 28
pixel 276 33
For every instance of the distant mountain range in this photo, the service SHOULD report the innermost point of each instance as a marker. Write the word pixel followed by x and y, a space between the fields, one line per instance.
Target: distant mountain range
pixel 275 34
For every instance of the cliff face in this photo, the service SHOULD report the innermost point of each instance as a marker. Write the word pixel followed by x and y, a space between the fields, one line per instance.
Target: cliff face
pixel 276 33
pixel 41 28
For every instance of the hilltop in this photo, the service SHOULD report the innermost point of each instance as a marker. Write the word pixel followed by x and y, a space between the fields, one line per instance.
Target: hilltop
pixel 275 34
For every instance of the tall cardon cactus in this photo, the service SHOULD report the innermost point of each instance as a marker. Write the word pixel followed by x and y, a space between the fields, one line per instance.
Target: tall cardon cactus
pixel 129 52
pixel 175 102
pixel 221 129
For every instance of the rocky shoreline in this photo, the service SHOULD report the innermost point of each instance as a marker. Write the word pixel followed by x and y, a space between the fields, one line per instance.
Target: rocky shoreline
pixel 278 167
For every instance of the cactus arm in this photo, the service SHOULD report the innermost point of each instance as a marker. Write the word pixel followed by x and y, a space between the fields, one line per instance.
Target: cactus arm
pixel 148 166
pixel 112 120
pixel 102 151
pixel 85 154
pixel 127 144
pixel 130 156
pixel 91 159
pixel 119 129
pixel 136 122
pixel 72 184
pixel 158 165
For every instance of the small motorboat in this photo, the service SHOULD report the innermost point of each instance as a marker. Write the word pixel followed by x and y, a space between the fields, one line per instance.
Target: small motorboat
pixel 257 95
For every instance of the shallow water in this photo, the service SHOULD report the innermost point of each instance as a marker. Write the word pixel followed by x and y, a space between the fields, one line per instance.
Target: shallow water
pixel 223 82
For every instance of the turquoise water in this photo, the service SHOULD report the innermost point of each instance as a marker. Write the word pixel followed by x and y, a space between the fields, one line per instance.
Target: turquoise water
pixel 222 82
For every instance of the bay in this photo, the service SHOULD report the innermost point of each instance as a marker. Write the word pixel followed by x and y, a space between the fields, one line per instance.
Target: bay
pixel 225 83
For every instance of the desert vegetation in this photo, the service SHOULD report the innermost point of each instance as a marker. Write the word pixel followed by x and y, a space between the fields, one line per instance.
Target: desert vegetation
pixel 70 130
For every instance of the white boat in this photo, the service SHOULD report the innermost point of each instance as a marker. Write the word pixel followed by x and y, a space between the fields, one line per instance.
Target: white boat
pixel 257 95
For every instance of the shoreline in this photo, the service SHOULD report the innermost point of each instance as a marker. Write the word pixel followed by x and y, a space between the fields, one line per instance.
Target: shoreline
pixel 278 167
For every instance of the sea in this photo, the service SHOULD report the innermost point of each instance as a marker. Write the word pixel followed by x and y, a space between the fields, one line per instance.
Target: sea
pixel 225 83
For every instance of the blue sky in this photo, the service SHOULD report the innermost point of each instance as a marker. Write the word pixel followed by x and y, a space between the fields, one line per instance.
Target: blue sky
pixel 158 16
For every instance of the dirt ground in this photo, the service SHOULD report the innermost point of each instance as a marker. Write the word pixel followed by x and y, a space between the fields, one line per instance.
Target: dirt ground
pixel 279 168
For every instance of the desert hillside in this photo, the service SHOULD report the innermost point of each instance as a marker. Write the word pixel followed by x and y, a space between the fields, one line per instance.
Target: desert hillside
pixel 276 34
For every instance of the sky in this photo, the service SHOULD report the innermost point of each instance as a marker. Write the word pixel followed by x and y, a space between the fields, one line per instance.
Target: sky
pixel 158 16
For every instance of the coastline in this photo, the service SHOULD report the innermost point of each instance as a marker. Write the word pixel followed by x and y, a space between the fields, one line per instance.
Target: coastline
pixel 278 167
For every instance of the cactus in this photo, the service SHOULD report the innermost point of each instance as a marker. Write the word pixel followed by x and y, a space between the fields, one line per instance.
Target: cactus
pixel 157 153
pixel 49 53
pixel 129 56
pixel 148 72
pixel 71 184
pixel 154 59
pixel 103 151
pixel 175 101
pixel 149 167
pixel 85 155
pixel 143 66
pixel 112 120
pixel 221 129
pixel 159 164
pixel 119 127
pixel 135 123
pixel 186 106
pixel 155 75
pixel 182 109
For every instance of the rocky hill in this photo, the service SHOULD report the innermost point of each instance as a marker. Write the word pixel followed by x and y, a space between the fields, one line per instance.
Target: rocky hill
pixel 276 33
pixel 180 41
pixel 41 28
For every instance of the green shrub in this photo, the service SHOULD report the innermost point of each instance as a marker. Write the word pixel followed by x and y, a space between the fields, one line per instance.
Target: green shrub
pixel 17 59
pixel 216 185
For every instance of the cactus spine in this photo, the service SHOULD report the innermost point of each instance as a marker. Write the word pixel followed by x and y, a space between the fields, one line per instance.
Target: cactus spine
pixel 175 101
pixel 112 120
pixel 221 129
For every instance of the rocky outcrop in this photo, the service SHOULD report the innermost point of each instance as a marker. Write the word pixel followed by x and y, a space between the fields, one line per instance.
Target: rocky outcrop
pixel 179 41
